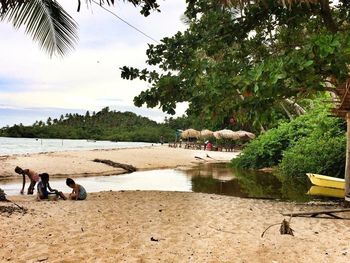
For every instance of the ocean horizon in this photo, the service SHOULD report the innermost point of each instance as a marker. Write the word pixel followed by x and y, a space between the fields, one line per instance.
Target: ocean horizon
pixel 10 146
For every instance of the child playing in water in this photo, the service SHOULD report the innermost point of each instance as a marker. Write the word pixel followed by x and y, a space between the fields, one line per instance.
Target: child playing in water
pixel 78 193
pixel 44 188
pixel 33 177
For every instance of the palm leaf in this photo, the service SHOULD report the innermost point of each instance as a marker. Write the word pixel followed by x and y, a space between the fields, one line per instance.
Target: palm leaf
pixel 46 21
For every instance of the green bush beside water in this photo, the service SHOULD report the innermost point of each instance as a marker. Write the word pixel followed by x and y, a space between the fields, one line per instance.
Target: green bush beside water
pixel 321 155
pixel 314 142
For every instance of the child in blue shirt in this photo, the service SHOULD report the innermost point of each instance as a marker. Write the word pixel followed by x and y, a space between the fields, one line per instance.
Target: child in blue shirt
pixel 44 188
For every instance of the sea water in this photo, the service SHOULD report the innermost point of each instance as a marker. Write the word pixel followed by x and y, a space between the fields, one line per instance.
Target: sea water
pixel 10 146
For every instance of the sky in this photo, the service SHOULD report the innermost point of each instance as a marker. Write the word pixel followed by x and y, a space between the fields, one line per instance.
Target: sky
pixel 34 86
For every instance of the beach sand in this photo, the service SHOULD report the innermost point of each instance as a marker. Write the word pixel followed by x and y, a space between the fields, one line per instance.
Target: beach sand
pixel 79 163
pixel 150 226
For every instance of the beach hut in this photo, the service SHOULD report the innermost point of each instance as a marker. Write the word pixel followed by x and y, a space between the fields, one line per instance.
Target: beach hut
pixel 191 136
pixel 225 139
pixel 244 135
pixel 190 133
pixel 217 135
pixel 228 134
pixel 206 134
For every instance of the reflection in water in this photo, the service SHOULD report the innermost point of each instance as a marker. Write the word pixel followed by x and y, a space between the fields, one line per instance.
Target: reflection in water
pixel 205 178
pixel 326 191
pixel 221 179
pixel 215 186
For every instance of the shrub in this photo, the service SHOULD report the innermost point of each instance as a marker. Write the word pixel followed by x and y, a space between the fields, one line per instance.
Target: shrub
pixel 264 151
pixel 267 150
pixel 315 154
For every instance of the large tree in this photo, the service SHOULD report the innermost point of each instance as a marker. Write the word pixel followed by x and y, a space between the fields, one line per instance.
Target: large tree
pixel 244 58
pixel 244 61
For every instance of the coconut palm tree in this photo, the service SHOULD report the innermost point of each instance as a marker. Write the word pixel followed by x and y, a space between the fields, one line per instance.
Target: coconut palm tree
pixel 45 20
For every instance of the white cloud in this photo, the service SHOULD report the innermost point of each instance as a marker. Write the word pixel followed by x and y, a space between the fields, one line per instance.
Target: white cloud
pixel 91 72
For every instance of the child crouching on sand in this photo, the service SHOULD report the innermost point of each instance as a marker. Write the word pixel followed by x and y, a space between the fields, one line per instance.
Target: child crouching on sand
pixel 44 188
pixel 78 193
pixel 33 177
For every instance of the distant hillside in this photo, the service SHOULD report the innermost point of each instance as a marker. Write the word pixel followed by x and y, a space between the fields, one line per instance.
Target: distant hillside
pixel 103 125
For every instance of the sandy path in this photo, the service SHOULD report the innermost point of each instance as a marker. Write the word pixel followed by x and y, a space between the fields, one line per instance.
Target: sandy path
pixel 79 163
pixel 189 227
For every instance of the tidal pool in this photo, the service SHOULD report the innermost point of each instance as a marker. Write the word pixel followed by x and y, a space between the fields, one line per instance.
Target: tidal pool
pixel 205 178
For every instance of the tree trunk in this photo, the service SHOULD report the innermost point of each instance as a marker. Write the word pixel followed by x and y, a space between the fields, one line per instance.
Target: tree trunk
pixel 327 16
pixel 347 165
pixel 298 109
pixel 290 116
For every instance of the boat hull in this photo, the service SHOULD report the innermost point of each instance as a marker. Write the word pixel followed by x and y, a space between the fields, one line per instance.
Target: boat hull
pixel 326 181
pixel 326 191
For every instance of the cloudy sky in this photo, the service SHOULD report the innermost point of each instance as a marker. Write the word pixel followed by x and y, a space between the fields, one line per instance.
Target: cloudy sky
pixel 34 86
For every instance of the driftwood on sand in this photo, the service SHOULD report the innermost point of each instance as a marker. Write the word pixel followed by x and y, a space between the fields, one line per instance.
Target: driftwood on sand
pixel 9 210
pixel 329 213
pixel 126 167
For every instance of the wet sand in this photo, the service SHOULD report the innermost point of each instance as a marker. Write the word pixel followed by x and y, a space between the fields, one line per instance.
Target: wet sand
pixel 79 163
pixel 149 226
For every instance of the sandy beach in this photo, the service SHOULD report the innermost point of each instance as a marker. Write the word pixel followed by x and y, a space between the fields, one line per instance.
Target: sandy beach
pixel 141 226
pixel 154 226
pixel 79 163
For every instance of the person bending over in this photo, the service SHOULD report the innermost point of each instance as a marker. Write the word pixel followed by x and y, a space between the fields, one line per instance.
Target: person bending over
pixel 33 177
pixel 78 193
pixel 44 188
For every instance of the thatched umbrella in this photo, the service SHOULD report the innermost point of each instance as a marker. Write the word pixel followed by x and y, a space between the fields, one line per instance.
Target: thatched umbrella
pixel 217 135
pixel 206 134
pixel 190 133
pixel 228 134
pixel 245 135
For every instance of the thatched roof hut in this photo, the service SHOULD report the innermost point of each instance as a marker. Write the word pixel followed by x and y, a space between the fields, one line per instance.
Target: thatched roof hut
pixel 190 133
pixel 244 135
pixel 226 134
pixel 206 134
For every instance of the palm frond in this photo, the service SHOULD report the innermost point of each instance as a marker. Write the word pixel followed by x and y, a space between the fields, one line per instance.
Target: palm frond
pixel 45 20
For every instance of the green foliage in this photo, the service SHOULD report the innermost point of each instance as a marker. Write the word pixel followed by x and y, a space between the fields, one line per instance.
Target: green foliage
pixel 45 20
pixel 315 154
pixel 103 125
pixel 264 151
pixel 245 64
pixel 313 142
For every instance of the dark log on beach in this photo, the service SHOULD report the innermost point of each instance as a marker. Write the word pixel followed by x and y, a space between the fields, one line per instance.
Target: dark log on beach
pixel 316 213
pixel 126 167
pixel 3 196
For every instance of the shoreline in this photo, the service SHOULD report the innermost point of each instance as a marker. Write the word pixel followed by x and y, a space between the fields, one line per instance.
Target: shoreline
pixel 80 164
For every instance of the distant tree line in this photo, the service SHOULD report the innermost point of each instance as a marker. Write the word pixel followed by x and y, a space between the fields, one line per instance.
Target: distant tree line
pixel 102 125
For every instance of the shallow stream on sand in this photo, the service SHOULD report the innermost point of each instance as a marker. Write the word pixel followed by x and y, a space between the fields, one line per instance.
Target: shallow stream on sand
pixel 205 178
